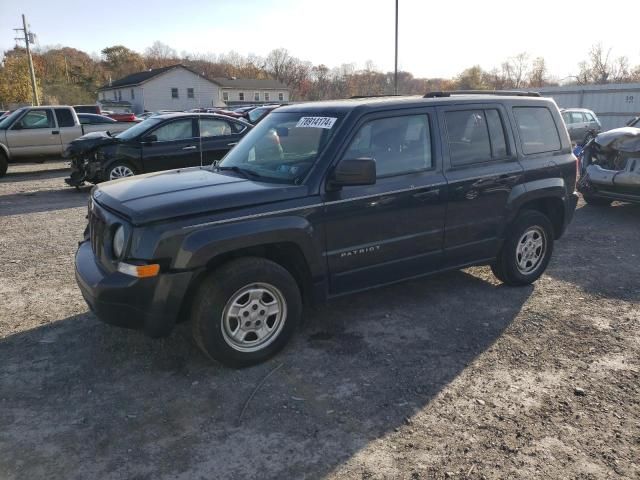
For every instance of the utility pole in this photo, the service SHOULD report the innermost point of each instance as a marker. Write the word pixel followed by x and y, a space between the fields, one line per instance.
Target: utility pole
pixel 395 74
pixel 28 38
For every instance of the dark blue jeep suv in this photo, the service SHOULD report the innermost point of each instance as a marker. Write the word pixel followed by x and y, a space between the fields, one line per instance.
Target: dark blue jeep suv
pixel 324 199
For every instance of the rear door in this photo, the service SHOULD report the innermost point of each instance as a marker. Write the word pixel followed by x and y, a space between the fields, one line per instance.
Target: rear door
pixel 35 134
pixel 217 136
pixel 391 230
pixel 481 168
pixel 175 146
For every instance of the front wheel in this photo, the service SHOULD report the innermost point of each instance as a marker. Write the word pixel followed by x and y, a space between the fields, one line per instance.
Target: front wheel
pixel 526 251
pixel 245 311
pixel 119 170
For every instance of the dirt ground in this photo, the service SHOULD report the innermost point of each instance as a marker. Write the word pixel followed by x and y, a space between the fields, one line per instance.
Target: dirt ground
pixel 453 376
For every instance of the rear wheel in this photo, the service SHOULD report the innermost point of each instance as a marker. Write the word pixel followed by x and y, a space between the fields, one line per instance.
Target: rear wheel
pixel 526 251
pixel 597 201
pixel 245 311
pixel 119 170
pixel 4 164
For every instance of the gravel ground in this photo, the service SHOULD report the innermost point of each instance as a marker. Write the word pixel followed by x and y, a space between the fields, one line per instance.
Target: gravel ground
pixel 453 376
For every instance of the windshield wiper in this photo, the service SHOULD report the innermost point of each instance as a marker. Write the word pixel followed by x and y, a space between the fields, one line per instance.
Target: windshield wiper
pixel 248 174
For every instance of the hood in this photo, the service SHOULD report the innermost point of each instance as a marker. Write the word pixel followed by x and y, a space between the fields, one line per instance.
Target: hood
pixel 192 191
pixel 88 142
pixel 625 139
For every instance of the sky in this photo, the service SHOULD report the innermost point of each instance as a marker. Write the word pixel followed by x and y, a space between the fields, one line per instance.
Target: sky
pixel 436 39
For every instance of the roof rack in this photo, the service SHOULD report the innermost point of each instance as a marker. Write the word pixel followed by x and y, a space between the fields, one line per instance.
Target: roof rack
pixel 506 93
pixel 355 97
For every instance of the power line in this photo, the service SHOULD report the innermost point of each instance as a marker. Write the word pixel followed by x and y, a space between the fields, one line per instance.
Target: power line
pixel 29 37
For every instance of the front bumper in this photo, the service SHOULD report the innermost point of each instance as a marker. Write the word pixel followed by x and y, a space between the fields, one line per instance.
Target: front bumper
pixel 148 304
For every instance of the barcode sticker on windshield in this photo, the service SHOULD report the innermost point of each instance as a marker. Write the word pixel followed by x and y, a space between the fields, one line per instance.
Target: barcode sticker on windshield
pixel 316 122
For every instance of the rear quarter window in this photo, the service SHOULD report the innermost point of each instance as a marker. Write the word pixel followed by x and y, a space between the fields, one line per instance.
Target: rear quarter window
pixel 537 129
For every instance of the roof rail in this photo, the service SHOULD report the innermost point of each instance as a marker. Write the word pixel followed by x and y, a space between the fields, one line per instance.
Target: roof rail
pixel 506 93
pixel 355 97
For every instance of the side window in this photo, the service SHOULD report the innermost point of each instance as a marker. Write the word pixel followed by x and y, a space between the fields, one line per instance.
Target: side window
pixel 566 116
pixel 496 134
pixel 83 120
pixel 577 117
pixel 589 117
pixel 210 127
pixel 176 130
pixel 397 144
pixel 538 132
pixel 37 119
pixel 64 117
pixel 468 137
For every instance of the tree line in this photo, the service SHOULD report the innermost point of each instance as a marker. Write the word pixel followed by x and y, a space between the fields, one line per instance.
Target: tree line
pixel 70 76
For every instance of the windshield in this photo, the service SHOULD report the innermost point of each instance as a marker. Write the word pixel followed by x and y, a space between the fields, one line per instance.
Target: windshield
pixel 283 147
pixel 8 120
pixel 133 132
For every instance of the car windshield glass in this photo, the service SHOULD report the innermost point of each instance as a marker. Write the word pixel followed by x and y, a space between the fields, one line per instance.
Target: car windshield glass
pixel 8 120
pixel 283 147
pixel 133 132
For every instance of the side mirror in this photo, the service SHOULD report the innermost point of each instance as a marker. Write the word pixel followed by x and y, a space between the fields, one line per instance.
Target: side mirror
pixel 17 126
pixel 149 139
pixel 355 171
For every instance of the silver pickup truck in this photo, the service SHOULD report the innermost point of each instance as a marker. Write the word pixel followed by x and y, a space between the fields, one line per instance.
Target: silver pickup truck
pixel 40 132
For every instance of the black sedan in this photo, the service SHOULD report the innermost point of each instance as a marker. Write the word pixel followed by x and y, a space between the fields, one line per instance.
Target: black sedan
pixel 162 142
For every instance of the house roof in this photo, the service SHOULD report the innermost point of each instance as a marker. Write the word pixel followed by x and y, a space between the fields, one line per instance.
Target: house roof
pixel 225 82
pixel 141 77
pixel 249 83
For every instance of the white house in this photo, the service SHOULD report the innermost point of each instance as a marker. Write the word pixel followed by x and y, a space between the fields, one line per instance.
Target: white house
pixel 177 87
pixel 238 91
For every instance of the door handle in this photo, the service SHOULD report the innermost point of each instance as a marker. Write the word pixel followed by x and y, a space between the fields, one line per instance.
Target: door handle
pixel 190 147
pixel 55 132
pixel 232 144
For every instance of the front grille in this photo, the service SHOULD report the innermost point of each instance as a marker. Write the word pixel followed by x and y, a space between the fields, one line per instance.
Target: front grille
pixel 96 233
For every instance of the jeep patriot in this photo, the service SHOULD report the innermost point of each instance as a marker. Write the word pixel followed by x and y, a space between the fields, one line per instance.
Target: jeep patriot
pixel 324 199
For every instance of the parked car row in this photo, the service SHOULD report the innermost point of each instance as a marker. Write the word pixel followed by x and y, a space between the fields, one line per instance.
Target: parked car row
pixel 161 142
pixel 46 131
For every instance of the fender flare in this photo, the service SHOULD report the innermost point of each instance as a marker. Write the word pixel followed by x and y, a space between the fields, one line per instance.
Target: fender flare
pixel 203 245
pixel 535 190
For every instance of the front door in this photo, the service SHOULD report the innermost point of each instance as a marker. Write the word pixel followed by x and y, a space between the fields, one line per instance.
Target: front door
pixel 35 134
pixel 481 168
pixel 391 230
pixel 175 146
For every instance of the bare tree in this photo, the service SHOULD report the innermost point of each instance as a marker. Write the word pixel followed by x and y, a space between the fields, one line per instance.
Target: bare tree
pixel 160 55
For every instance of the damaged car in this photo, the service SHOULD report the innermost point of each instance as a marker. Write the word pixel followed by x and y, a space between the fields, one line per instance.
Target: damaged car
pixel 610 167
pixel 162 142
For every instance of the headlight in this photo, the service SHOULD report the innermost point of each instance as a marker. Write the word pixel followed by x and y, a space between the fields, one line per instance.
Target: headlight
pixel 118 242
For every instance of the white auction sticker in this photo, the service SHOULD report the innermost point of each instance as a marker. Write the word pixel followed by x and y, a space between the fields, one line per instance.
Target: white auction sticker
pixel 316 122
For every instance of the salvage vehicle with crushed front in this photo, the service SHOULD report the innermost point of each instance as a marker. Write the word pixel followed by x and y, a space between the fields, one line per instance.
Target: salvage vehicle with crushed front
pixel 325 199
pixel 610 167
pixel 161 142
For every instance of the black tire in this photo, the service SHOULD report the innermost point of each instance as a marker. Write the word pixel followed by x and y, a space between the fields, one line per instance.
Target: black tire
pixel 118 165
pixel 506 268
pixel 597 201
pixel 4 164
pixel 219 288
